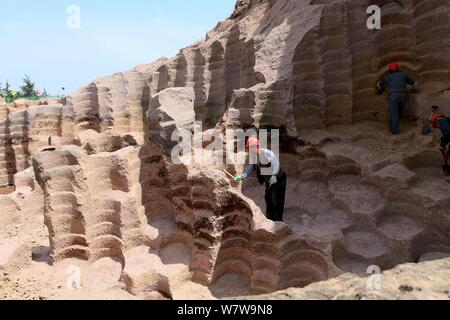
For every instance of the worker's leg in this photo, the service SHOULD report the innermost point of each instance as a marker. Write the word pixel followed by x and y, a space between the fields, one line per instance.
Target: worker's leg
pixel 269 203
pixel 445 142
pixel 279 198
pixel 394 111
pixel 445 146
pixel 403 99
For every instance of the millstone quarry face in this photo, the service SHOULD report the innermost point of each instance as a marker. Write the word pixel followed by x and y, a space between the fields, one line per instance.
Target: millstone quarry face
pixel 106 211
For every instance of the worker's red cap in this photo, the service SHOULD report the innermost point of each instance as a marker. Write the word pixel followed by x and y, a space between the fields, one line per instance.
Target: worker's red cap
pixel 394 66
pixel 436 119
pixel 252 141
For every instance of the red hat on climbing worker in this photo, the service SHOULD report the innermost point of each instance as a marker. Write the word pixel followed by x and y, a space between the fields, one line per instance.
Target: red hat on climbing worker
pixel 394 66
pixel 436 119
pixel 252 141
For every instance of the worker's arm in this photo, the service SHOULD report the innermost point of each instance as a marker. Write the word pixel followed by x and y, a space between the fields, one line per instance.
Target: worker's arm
pixel 444 144
pixel 412 82
pixel 249 172
pixel 381 86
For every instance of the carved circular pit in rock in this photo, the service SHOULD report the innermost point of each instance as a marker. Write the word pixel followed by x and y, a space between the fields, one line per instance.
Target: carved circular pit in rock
pixel 399 227
pixel 429 246
pixel 424 161
pixel 348 262
pixel 312 197
pixel 432 256
pixel 103 274
pixel 176 253
pixel 365 244
pixel 359 197
pixel 337 218
pixel 231 285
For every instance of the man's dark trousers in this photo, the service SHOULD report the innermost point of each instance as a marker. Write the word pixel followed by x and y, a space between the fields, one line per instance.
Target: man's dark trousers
pixel 397 102
pixel 275 199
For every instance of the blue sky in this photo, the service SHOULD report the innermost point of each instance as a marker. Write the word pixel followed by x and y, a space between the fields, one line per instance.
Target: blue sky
pixel 113 36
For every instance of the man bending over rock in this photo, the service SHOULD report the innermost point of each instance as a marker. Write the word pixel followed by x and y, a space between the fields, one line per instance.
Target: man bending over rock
pixel 268 171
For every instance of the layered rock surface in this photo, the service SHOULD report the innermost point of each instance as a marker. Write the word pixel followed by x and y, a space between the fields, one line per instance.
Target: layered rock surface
pixel 111 198
pixel 425 281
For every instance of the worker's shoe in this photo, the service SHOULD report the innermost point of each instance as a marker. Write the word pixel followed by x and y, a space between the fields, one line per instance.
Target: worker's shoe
pixel 446 169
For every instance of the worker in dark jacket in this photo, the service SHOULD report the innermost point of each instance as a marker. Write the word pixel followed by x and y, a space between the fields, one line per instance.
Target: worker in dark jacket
pixel 442 122
pixel 268 171
pixel 397 83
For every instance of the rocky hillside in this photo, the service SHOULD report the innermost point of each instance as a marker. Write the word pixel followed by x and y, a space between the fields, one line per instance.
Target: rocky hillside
pixel 296 64
pixel 105 194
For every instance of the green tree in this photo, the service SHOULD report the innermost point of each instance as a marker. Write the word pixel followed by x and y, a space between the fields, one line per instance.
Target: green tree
pixel 44 93
pixel 5 91
pixel 28 89
pixel 1 90
pixel 8 92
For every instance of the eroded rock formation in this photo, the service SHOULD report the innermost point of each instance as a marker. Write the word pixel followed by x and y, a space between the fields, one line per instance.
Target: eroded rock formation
pixel 112 199
pixel 106 204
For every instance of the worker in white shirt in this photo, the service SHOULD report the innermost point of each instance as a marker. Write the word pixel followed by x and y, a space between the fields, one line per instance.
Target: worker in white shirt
pixel 268 171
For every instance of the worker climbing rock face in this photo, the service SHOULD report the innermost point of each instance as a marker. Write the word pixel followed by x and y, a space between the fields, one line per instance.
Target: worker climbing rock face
pixel 442 122
pixel 269 172
pixel 397 83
